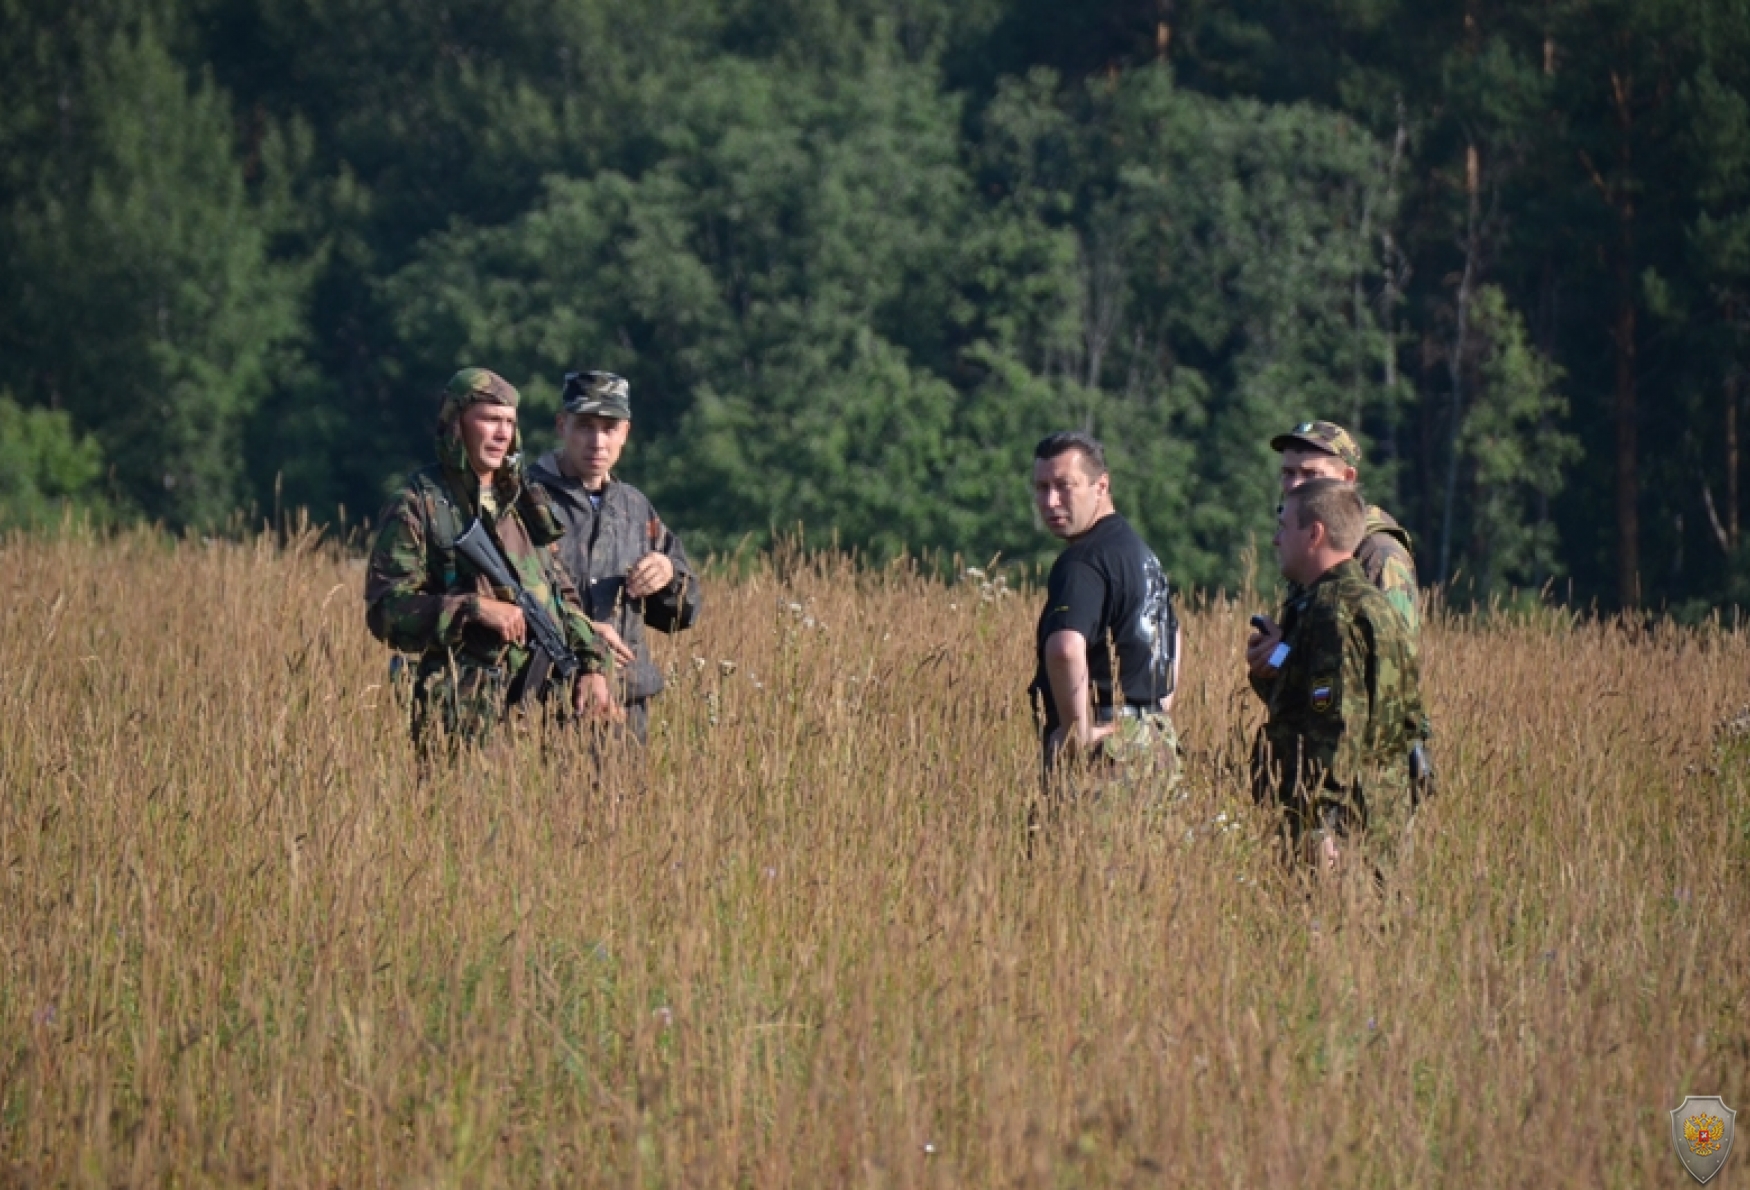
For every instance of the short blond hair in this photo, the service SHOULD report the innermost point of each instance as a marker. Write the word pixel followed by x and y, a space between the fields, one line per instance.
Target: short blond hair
pixel 1336 505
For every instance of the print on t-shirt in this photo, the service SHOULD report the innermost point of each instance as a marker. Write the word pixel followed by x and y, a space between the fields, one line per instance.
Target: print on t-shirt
pixel 1110 588
pixel 1157 624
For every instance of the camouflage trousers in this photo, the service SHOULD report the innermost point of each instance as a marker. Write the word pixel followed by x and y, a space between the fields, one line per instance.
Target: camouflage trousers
pixel 1377 812
pixel 1137 764
pixel 455 703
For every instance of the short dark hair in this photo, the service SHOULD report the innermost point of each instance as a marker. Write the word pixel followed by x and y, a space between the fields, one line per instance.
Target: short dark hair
pixel 1093 454
pixel 1336 505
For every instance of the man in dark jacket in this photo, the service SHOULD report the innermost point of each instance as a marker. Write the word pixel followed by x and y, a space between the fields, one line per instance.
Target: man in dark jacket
pixel 628 566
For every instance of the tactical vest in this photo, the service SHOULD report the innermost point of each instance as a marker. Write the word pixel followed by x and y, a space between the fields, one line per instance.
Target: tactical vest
pixel 445 527
pixel 533 505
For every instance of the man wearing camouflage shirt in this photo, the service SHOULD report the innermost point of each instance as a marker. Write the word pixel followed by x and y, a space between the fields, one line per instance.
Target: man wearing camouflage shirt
pixel 1342 687
pixel 1325 450
pixel 423 596
pixel 629 567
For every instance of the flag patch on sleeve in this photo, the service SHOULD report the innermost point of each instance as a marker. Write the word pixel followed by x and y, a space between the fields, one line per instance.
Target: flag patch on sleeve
pixel 1321 698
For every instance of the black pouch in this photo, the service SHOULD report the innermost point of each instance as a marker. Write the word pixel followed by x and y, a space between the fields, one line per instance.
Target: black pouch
pixel 642 681
pixel 603 596
pixel 1423 784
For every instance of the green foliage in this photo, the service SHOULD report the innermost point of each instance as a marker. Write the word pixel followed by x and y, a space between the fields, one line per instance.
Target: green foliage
pixel 856 257
pixel 140 292
pixel 759 283
pixel 1515 452
pixel 818 341
pixel 46 467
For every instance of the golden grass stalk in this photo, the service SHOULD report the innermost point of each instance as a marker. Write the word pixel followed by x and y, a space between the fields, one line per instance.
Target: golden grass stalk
pixel 805 944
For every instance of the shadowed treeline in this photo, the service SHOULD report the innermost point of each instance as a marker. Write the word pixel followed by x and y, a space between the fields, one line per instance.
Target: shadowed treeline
pixel 856 255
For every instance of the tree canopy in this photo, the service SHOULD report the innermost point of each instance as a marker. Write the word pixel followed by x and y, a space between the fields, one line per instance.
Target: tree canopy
pixel 857 257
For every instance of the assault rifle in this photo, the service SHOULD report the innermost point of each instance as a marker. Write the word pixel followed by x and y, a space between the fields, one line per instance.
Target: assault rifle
pixel 478 547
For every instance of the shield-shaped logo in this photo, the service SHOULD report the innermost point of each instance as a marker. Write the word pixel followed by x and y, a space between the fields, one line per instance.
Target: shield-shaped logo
pixel 1701 1128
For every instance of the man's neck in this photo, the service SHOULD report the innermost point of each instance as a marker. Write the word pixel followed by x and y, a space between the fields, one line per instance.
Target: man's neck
pixel 1329 562
pixel 1105 511
pixel 588 483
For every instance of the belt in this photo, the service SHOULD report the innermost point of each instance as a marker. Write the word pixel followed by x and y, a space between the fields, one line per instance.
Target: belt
pixel 1126 711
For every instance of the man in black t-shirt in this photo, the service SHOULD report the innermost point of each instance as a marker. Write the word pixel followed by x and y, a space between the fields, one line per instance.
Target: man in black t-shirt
pixel 1108 640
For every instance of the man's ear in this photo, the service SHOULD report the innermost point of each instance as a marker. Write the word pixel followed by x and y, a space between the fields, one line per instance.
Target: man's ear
pixel 1319 538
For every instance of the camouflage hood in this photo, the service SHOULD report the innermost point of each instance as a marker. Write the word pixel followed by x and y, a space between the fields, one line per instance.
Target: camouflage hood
pixel 467 388
pixel 507 481
pixel 474 386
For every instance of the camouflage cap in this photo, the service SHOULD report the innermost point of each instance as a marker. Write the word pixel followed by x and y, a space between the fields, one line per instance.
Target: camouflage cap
pixel 600 393
pixel 1326 437
pixel 475 386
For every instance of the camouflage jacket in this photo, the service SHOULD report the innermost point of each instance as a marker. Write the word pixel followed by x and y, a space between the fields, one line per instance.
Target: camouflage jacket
pixel 600 546
pixel 422 596
pixel 1346 707
pixel 1384 555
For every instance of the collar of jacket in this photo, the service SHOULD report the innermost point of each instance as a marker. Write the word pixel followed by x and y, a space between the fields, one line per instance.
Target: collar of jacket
pixel 1348 566
pixel 1381 521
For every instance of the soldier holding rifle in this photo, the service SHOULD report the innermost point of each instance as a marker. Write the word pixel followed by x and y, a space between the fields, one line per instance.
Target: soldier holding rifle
pixel 463 574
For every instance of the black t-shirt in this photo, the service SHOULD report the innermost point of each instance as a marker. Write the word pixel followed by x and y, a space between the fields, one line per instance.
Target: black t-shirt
pixel 1109 586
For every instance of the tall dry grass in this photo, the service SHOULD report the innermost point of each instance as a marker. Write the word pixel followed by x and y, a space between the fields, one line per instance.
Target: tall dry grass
pixel 243 943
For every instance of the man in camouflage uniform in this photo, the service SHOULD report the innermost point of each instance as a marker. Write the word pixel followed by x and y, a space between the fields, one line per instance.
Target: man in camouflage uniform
pixel 423 596
pixel 630 568
pixel 1325 450
pixel 1342 688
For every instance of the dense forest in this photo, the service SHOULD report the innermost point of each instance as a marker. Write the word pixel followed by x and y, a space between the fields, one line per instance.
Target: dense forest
pixel 856 257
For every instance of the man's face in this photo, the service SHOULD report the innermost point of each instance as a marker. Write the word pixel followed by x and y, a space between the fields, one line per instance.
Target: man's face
pixel 487 432
pixel 591 444
pixel 1300 466
pixel 1068 499
pixel 1294 545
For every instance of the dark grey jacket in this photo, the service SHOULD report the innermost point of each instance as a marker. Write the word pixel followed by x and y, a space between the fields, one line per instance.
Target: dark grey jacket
pixel 600 547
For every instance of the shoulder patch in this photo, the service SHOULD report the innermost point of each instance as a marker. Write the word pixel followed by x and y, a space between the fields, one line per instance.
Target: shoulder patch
pixel 1321 699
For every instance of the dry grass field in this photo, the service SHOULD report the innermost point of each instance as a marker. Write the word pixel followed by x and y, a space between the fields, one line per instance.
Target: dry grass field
pixel 244 943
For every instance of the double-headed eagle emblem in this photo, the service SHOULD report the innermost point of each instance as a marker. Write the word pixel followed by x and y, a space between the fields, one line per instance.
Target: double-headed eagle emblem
pixel 1703 1134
